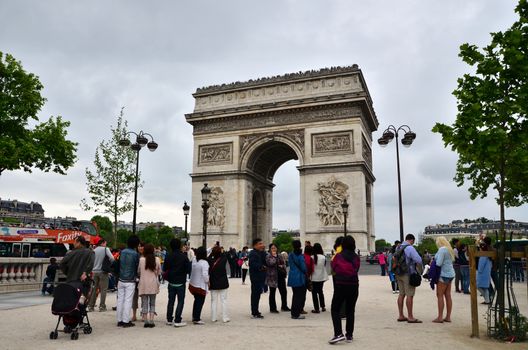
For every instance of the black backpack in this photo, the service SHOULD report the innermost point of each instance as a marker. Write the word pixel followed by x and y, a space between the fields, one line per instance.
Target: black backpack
pixel 399 263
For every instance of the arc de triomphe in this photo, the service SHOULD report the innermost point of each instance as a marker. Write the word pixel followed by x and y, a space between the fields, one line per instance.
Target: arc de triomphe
pixel 244 131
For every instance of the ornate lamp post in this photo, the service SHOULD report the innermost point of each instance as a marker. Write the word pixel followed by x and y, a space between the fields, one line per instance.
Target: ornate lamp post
pixel 186 209
pixel 141 141
pixel 407 141
pixel 206 193
pixel 345 214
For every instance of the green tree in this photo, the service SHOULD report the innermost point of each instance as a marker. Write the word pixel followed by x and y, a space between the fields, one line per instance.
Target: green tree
pixel 105 228
pixel 149 235
pixel 427 244
pixel 111 184
pixel 381 244
pixel 122 237
pixel 165 234
pixel 490 133
pixel 284 241
pixel 44 146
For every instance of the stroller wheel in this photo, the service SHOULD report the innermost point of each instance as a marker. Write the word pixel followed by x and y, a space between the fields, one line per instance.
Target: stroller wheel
pixel 87 330
pixel 53 335
pixel 74 336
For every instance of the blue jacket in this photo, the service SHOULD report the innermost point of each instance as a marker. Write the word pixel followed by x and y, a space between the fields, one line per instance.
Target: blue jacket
pixel 297 275
pixel 128 265
pixel 484 272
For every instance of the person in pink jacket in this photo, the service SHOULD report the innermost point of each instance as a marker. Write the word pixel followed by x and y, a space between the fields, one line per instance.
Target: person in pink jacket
pixel 382 262
pixel 149 269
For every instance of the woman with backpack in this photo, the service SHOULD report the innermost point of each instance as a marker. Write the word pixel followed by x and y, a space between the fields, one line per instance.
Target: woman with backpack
pixel 149 269
pixel 218 283
pixel 319 277
pixel 444 260
pixel 346 289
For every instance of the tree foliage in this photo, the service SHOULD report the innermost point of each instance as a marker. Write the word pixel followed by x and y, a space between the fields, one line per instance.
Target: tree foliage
pixel 490 133
pixel 284 241
pixel 44 146
pixel 427 244
pixel 111 184
pixel 105 228
pixel 381 244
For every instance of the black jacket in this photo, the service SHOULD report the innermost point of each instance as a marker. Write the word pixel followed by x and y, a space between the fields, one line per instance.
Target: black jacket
pixel 218 274
pixel 176 267
pixel 257 266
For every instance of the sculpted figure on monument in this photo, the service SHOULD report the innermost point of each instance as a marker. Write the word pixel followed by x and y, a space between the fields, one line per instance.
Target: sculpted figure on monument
pixel 216 212
pixel 331 196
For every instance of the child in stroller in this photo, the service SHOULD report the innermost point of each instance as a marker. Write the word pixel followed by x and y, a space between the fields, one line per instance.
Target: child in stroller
pixel 69 304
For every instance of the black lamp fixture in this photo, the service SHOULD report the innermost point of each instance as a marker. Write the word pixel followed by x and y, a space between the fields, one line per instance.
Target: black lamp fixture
pixel 408 138
pixel 186 210
pixel 344 206
pixel 206 193
pixel 141 141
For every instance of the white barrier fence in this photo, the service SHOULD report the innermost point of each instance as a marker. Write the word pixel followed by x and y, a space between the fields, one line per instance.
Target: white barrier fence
pixel 22 274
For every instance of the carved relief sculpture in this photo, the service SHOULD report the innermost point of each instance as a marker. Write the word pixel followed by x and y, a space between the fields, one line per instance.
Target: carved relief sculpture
pixel 331 196
pixel 218 153
pixel 296 136
pixel 216 213
pixel 328 143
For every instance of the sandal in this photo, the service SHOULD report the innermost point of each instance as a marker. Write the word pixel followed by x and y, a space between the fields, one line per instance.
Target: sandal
pixel 402 320
pixel 414 321
pixel 438 321
pixel 446 320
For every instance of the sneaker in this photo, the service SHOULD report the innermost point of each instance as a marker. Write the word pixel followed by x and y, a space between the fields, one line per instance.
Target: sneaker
pixel 200 322
pixel 146 325
pixel 151 324
pixel 128 325
pixel 274 311
pixel 287 309
pixel 323 309
pixel 169 323
pixel 315 311
pixel 227 320
pixel 102 309
pixel 303 312
pixel 349 339
pixel 214 321
pixel 90 309
pixel 180 324
pixel 336 339
pixel 301 317
pixel 120 324
pixel 259 316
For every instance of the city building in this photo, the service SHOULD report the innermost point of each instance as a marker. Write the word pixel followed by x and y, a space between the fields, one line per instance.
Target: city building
pixel 21 211
pixel 473 228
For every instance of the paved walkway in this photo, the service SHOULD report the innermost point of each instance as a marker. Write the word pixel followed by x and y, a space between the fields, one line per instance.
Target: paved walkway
pixel 376 326
pixel 22 299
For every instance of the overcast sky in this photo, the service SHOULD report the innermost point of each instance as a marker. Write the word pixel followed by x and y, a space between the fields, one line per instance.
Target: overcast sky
pixel 95 57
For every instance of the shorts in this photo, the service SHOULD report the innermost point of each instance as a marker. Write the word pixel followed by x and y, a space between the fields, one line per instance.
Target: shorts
pixel 445 280
pixel 403 285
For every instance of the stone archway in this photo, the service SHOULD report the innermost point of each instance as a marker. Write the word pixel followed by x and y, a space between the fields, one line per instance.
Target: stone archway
pixel 243 133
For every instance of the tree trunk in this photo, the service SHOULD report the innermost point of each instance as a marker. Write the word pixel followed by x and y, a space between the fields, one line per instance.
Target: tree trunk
pixel 115 221
pixel 501 254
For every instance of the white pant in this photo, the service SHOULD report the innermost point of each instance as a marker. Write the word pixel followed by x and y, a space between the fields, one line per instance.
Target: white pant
pixel 125 293
pixel 222 293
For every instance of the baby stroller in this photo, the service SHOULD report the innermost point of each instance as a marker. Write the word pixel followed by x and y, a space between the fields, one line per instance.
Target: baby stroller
pixel 69 304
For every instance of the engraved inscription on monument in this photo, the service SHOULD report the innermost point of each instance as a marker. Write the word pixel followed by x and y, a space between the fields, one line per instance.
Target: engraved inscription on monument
pixel 331 195
pixel 329 143
pixel 216 154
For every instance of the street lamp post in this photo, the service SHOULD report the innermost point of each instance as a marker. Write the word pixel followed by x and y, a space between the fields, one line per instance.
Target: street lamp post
pixel 407 141
pixel 206 192
pixel 345 214
pixel 141 141
pixel 186 209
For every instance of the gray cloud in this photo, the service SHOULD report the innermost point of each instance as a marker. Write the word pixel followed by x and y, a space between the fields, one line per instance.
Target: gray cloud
pixel 150 57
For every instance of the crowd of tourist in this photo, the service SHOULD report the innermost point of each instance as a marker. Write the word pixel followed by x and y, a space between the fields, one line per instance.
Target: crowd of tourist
pixel 140 269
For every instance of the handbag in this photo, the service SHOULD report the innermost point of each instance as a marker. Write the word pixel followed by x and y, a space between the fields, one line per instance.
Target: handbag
pixel 197 291
pixel 415 279
pixel 106 266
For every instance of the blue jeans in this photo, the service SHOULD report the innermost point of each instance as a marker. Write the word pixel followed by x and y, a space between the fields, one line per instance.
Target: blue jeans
pixel 180 293
pixel 45 287
pixel 464 274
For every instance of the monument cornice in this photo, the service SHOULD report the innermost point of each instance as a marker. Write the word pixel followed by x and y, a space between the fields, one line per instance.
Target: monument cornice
pixel 264 118
pixel 275 80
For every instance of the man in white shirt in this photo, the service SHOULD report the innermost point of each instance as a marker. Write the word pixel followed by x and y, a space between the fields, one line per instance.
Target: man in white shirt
pixel 101 269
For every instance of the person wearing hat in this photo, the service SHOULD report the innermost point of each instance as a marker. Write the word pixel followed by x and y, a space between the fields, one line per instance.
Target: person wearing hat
pixel 102 263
